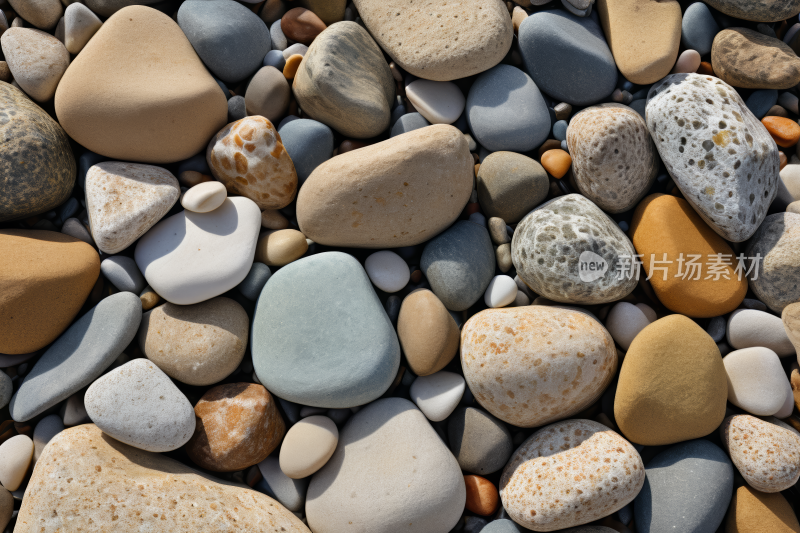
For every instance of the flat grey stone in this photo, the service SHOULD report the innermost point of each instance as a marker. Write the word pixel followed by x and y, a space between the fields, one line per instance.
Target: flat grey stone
pixel 309 143
pixel 74 228
pixel 255 280
pixel 291 493
pixel 409 122
pixel 123 273
pixel 698 28
pixel 480 442
pixel 47 428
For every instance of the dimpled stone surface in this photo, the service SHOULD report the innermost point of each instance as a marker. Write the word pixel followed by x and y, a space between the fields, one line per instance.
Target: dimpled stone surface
pixel 248 157
pixel 777 242
pixel 721 157
pixel 613 157
pixel 570 473
pixel 36 162
pixel 548 243
pixel 767 455
pixel 136 486
pixel 762 11
pixel 749 59
pixel 532 365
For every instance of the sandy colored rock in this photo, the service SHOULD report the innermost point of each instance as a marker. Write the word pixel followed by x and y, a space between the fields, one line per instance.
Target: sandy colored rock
pixel 752 511
pixel 614 161
pixel 570 473
pixel 510 185
pixel 530 366
pixel 664 224
pixel 672 385
pixel 791 324
pixel 17 453
pixel 777 242
pixel 45 277
pixel 273 219
pixel 198 344
pixel 124 200
pixel 764 11
pixel 126 95
pixel 389 194
pixel 36 60
pixel 751 60
pixel 281 247
pixel 308 446
pixel 428 333
pixel 766 455
pixel 238 425
pixel 248 157
pixel 43 14
pixel 268 94
pixel 440 41
pixel 78 460
pixel 644 37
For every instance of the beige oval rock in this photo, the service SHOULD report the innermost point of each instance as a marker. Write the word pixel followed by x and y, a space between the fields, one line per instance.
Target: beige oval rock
pixel 570 473
pixel 281 247
pixel 427 332
pixel 15 457
pixel 43 14
pixel 399 192
pixel 136 488
pixel 775 247
pixel 36 60
pixel 204 197
pixel 138 91
pixel 248 157
pixel 307 446
pixel 767 455
pixel 199 344
pixel 749 59
pixel 531 366
pixel 614 160
pixel 440 41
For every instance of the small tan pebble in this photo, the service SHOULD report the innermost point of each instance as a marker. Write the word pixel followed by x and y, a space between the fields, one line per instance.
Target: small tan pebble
pixel 190 178
pixel 498 231
pixel 15 457
pixel 307 446
pixel 280 247
pixel 5 72
pixel 517 16
pixel 566 467
pixel 767 455
pixel 291 66
pixel 563 111
pixel 204 197
pixel 273 219
pixel 503 254
pixel 427 332
pixel 149 298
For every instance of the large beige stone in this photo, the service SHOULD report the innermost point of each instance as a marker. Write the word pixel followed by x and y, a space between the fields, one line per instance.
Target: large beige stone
pixel 138 91
pixel 440 40
pixel 87 481
pixel 399 192
pixel 749 59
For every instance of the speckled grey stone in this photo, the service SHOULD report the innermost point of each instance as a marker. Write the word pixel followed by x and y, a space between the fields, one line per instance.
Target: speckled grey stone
pixel 309 143
pixel 687 488
pixel 255 280
pixel 320 335
pixel 510 185
pixel 6 389
pixel 236 108
pixel 777 282
pixel 720 156
pixel 409 122
pixel 480 442
pixel 459 264
pixel 698 28
pixel 123 273
pixel 548 243
pixel 291 493
pixel 79 355
pixel 506 111
pixel 762 11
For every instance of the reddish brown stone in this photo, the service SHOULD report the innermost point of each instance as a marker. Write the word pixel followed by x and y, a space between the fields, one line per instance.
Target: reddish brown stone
pixel 301 25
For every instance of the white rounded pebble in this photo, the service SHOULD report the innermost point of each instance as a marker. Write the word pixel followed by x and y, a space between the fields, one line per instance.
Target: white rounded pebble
pixel 437 395
pixel 501 291
pixel 648 312
pixel 688 61
pixel 440 102
pixel 80 24
pixel 296 48
pixel 756 381
pixel 279 40
pixel 387 271
pixel 624 322
pixel 749 327
pixel 307 446
pixel 204 197
pixel 15 457
pixel 47 428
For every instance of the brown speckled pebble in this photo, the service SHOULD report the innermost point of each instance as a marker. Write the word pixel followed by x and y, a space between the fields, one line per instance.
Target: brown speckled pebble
pixel 570 473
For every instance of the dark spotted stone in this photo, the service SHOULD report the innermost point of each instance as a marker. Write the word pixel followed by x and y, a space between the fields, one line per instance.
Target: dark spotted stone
pixel 37 168
pixel 751 60
pixel 757 10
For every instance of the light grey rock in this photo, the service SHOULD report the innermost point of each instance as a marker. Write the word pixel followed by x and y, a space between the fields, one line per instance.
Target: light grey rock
pixel 776 249
pixel 748 328
pixel 80 24
pixel 480 442
pixel 47 428
pixel 73 411
pixel 123 273
pixel 291 493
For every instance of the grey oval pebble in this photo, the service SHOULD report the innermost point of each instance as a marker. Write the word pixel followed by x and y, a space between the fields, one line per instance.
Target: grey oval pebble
pixel 480 442
pixel 309 143
pixel 255 280
pixel 291 493
pixel 47 428
pixel 123 273
pixel 409 122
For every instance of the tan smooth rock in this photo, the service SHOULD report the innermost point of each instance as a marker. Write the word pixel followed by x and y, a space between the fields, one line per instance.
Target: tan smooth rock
pixel 248 157
pixel 399 192
pixel 43 14
pixel 36 60
pixel 308 446
pixel 570 473
pixel 273 219
pixel 752 511
pixel 427 332
pixel 141 491
pixel 15 457
pixel 281 247
pixel 6 507
pixel 238 425
pixel 530 366
pixel 440 41
pixel 268 94
pixel 127 94
pixel 751 60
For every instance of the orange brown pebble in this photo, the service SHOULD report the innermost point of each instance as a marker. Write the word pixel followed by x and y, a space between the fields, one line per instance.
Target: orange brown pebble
pixel 556 162
pixel 291 66
pixel 786 132
pixel 482 497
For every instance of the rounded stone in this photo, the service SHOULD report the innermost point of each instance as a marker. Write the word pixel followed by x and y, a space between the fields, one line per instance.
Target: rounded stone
pixel 672 385
pixel 204 197
pixel 698 28
pixel 47 428
pixel 238 425
pixel 388 455
pixel 751 60
pixel 614 161
pixel 280 247
pixel 437 395
pixel 387 271
pixel 510 185
pixel 752 511
pixel 748 328
pixel 251 286
pixel 309 144
pixel 16 454
pixel 427 332
pixel 482 497
pixel 775 250
pixel 756 381
pixel 791 324
pixel 123 273
pixel 308 446
pixel 624 322
pixel 555 362
pixel 199 344
pixel 36 162
pixel 480 442
pixel 501 292
pixel 138 404
pixel 291 493
pixel 268 94
pixel 767 11
pixel 43 14
pixel 552 243
pixel 301 25
pixel 561 461
pixel 80 24
pixel 408 122
pixel 36 60
pixel 440 102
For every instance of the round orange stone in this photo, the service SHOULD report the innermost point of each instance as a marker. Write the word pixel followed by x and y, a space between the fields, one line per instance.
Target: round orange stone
pixel 786 132
pixel 291 66
pixel 482 495
pixel 556 162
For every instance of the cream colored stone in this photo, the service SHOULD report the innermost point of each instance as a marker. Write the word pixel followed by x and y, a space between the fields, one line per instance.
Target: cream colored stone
pixel 756 381
pixel 440 102
pixel 307 446
pixel 281 247
pixel 791 325
pixel 36 60
pixel 43 14
pixel 204 197
pixel 15 457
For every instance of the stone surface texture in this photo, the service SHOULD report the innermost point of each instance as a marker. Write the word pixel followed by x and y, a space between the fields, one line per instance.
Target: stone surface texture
pixel 776 247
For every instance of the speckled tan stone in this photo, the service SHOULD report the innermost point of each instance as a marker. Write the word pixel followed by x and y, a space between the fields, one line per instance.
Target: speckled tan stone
pixel 751 60
pixel 280 247
pixel 36 60
pixel 141 491
pixel 248 157
pixel 752 511
pixel 791 324
pixel 199 344
pixel 777 242
pixel 672 385
pixel 238 425
pixel 614 160
pixel 767 455
pixel 530 366
pixel 570 473
pixel 124 200
pixel 427 332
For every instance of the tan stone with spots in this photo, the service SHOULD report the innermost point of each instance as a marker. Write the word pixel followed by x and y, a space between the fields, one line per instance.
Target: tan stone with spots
pixel 767 455
pixel 570 473
pixel 248 157
pixel 533 365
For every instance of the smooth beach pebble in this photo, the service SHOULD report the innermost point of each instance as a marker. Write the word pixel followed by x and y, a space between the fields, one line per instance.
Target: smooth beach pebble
pixel 437 395
pixel 307 446
pixel 556 162
pixel 480 442
pixel 440 102
pixel 15 457
pixel 291 66
pixel 688 61
pixel 482 496
pixel 204 197
pixel 756 381
pixel 752 511
pixel 387 271
pixel 501 292
pixel 785 132
pixel 624 322
pixel 749 328
pixel 280 247
pixel 427 332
